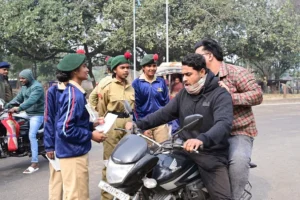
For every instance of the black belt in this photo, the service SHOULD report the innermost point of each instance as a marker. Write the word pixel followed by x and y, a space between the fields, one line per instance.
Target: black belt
pixel 120 114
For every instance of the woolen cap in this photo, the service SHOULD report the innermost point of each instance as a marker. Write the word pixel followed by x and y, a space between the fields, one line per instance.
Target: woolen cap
pixel 118 60
pixel 71 61
pixel 4 65
pixel 149 59
pixel 109 61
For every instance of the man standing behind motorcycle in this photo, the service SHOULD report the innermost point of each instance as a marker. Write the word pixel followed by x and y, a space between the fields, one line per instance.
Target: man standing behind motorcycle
pixel 151 93
pixel 31 100
pixel 202 95
pixel 5 94
pixel 111 99
pixel 245 93
pixel 5 88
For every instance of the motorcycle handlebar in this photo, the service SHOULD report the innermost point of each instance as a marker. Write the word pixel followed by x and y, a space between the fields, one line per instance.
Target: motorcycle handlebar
pixel 179 146
pixel 138 132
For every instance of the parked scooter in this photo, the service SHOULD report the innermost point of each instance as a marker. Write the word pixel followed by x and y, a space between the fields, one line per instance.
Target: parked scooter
pixel 14 134
pixel 166 173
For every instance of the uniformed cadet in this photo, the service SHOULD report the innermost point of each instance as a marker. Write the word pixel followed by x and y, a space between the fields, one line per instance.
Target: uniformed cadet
pixel 151 94
pixel 111 99
pixel 94 96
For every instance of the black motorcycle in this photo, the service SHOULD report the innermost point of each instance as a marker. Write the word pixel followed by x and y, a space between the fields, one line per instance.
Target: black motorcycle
pixel 165 173
pixel 23 142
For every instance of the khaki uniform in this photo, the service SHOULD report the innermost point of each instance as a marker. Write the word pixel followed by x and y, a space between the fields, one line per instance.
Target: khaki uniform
pixel 55 184
pixel 161 133
pixel 111 99
pixel 93 98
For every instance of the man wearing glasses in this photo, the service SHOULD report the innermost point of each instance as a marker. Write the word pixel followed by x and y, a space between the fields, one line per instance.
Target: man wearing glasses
pixel 245 93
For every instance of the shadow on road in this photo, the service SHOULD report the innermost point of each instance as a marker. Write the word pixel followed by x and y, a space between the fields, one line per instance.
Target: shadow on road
pixel 260 187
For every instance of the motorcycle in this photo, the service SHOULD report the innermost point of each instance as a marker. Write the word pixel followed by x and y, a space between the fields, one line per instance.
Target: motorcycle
pixel 165 173
pixel 14 134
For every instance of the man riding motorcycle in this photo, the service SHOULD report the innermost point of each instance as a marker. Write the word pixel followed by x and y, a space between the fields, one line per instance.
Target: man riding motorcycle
pixel 202 95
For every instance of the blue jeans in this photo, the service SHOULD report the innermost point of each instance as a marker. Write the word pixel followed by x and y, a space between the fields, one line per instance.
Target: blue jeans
pixel 35 124
pixel 239 160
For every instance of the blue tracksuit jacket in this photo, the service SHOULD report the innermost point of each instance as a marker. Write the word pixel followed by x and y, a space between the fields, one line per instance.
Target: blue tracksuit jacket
pixel 73 126
pixel 149 97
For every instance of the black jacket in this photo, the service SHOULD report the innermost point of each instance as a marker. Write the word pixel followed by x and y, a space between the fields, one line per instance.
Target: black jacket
pixel 213 102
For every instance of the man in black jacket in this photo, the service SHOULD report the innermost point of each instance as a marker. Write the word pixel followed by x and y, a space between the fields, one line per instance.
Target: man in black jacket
pixel 202 95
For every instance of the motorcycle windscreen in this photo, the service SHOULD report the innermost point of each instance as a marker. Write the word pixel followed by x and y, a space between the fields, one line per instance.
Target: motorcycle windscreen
pixel 12 133
pixel 129 150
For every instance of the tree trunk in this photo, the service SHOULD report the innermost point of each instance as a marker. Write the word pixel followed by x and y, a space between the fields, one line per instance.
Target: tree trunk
pixel 90 64
pixel 34 69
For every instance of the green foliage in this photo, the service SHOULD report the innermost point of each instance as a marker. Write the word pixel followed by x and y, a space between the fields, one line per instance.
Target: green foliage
pixel 265 37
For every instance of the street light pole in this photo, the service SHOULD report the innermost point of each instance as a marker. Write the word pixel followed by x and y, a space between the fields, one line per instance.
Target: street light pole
pixel 167 31
pixel 134 42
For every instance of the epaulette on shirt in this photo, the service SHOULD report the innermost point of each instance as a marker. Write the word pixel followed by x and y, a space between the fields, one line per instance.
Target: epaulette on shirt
pixel 104 86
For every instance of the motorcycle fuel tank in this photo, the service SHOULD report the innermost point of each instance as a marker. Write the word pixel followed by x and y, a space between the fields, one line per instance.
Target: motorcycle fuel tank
pixel 129 150
pixel 174 170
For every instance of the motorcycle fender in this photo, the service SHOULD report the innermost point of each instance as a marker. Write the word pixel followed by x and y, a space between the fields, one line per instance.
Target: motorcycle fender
pixel 12 132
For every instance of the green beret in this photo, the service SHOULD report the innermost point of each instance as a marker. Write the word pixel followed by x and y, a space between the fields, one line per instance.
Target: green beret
pixel 149 59
pixel 109 61
pixel 118 60
pixel 71 61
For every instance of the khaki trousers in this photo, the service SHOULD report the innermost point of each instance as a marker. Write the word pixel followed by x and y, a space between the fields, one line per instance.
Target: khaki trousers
pixel 160 133
pixel 55 184
pixel 113 138
pixel 75 176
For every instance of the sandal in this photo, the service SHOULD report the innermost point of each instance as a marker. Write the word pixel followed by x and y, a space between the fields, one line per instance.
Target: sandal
pixel 30 170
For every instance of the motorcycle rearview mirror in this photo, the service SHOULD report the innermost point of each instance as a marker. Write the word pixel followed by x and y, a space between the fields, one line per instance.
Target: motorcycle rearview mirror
pixel 190 122
pixel 193 122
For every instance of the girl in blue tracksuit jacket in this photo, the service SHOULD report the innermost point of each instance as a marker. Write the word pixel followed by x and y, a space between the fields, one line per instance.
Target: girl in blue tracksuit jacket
pixel 50 120
pixel 73 129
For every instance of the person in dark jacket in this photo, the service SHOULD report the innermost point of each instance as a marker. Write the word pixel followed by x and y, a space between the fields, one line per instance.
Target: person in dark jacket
pixel 202 95
pixel 5 88
pixel 5 94
pixel 73 130
pixel 31 100
pixel 50 120
pixel 245 93
pixel 151 93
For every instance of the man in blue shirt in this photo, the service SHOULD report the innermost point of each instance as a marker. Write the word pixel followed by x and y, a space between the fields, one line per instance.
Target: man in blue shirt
pixel 151 94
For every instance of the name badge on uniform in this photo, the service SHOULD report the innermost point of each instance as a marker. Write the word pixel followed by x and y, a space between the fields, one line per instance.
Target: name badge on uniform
pixel 206 104
pixel 159 89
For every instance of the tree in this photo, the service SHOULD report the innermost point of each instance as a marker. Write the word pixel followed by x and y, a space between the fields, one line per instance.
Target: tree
pixel 269 39
pixel 261 35
pixel 41 30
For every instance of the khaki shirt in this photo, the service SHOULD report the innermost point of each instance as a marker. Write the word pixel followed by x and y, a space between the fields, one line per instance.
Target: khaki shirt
pixel 112 95
pixel 93 98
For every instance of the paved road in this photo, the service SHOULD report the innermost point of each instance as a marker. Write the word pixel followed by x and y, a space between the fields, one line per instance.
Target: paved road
pixel 275 152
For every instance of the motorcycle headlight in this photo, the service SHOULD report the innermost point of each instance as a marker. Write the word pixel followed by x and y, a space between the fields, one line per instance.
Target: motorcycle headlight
pixel 115 173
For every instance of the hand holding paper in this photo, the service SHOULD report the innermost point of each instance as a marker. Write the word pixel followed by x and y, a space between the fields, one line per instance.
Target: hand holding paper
pixel 98 136
pixel 109 120
pixel 54 162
